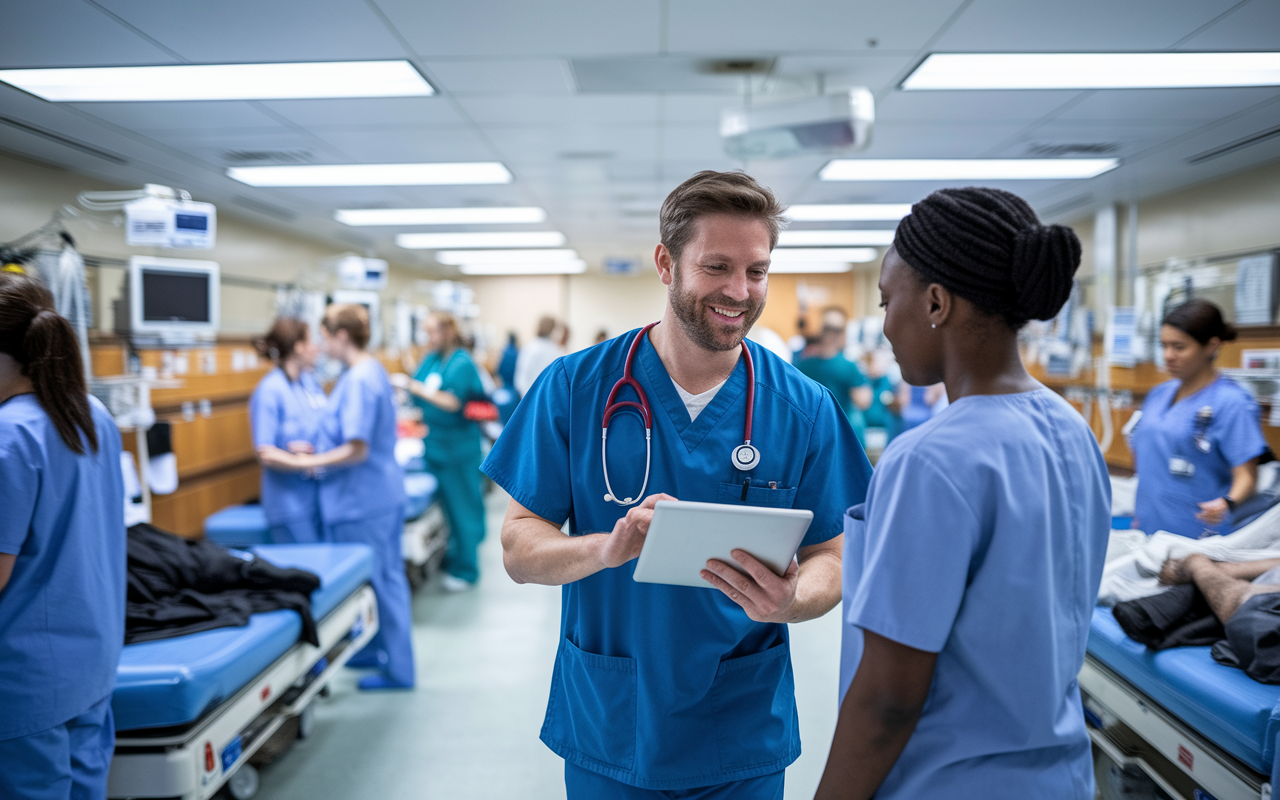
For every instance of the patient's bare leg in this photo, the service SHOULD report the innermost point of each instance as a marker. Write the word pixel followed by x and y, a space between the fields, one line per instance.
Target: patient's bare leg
pixel 1224 591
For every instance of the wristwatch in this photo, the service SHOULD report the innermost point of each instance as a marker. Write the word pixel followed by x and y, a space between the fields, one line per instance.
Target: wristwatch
pixel 1231 504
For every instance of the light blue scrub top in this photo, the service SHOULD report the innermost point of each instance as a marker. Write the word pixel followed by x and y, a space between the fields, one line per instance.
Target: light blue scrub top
pixel 986 530
pixel 361 407
pixel 1167 430
pixel 283 411
pixel 672 687
pixel 62 613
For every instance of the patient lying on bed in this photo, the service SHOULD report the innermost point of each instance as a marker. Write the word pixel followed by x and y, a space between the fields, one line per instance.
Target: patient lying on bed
pixel 1235 607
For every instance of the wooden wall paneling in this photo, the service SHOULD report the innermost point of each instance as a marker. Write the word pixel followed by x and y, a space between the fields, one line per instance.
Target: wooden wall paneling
pixel 184 511
pixel 221 440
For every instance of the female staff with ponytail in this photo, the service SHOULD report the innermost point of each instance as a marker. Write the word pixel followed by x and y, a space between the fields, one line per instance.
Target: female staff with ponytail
pixel 62 557
pixel 1197 442
pixel 285 412
pixel 973 568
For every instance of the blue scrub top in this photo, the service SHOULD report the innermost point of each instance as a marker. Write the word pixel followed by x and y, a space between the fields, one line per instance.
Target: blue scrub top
pixel 450 435
pixel 1167 430
pixel 361 408
pixel 985 535
pixel 283 411
pixel 62 613
pixel 672 687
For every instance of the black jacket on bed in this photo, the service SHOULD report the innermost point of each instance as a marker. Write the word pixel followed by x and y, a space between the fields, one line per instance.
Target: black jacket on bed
pixel 178 586
pixel 1180 617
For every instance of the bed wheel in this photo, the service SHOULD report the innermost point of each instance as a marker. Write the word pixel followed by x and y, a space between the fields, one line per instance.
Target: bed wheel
pixel 306 722
pixel 244 783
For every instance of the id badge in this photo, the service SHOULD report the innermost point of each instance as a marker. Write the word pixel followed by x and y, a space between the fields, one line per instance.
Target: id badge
pixel 1181 467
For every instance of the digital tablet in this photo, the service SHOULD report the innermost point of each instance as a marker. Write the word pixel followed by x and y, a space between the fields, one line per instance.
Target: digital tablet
pixel 684 535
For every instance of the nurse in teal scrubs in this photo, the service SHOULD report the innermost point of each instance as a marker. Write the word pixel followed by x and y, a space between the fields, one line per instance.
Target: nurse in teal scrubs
pixel 362 486
pixel 828 366
pixel 1197 442
pixel 285 412
pixel 445 381
pixel 62 558
pixel 972 570
pixel 659 690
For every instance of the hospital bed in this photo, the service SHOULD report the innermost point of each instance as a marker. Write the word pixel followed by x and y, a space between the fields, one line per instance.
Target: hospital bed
pixel 1195 727
pixel 191 711
pixel 425 531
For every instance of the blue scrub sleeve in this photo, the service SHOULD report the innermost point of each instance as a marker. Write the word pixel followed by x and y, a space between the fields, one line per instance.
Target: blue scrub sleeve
pixel 921 537
pixel 21 482
pixel 358 409
pixel 265 410
pixel 836 473
pixel 1241 433
pixel 531 457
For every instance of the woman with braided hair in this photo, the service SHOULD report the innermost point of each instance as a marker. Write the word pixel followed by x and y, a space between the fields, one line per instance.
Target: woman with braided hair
pixel 62 557
pixel 971 571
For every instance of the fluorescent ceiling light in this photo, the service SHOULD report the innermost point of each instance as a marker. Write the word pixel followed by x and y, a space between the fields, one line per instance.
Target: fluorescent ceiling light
pixel 858 212
pixel 222 82
pixel 439 216
pixel 965 169
pixel 1094 70
pixel 817 255
pixel 506 256
pixel 810 267
pixel 373 174
pixel 561 268
pixel 437 241
pixel 829 238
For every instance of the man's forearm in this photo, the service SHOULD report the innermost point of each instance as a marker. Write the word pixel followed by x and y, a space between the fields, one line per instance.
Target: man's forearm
pixel 534 551
pixel 818 586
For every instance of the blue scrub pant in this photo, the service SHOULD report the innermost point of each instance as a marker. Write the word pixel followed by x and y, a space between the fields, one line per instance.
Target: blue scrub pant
pixel 463 502
pixel 583 784
pixel 297 531
pixel 65 762
pixel 393 644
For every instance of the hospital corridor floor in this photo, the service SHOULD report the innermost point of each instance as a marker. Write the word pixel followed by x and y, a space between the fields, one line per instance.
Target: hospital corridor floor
pixel 469 731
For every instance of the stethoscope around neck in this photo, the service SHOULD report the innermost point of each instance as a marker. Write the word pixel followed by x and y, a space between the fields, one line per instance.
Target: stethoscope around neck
pixel 745 456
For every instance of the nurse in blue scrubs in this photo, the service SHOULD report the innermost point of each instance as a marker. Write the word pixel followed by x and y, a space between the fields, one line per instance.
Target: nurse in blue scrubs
pixel 659 690
pixel 445 380
pixel 285 412
pixel 1197 444
pixel 362 487
pixel 972 570
pixel 62 558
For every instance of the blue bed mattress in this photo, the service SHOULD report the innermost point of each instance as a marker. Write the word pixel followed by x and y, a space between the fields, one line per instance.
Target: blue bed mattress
pixel 238 526
pixel 1223 704
pixel 419 492
pixel 174 681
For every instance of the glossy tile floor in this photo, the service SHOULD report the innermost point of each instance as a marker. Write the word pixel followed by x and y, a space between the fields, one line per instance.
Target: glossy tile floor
pixel 470 729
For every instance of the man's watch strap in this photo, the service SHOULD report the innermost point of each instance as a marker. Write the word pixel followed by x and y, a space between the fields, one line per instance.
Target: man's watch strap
pixel 1231 504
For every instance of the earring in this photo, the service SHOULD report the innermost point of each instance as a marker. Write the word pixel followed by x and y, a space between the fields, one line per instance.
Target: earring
pixel 934 325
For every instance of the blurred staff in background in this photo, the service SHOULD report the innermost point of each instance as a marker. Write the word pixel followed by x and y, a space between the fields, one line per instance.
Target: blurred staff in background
pixel 362 489
pixel 538 354
pixel 828 365
pixel 445 381
pixel 285 413
pixel 62 557
pixel 885 410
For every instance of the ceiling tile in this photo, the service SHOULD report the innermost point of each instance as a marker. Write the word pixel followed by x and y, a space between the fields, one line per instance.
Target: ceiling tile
pixel 513 28
pixel 525 75
pixel 879 72
pixel 692 142
pixel 1016 26
pixel 406 144
pixel 1167 104
pixel 372 111
pixel 236 31
pixel 761 27
pixel 1255 26
pixel 523 110
pixel 577 147
pixel 927 140
pixel 203 116
pixel 71 33
pixel 901 106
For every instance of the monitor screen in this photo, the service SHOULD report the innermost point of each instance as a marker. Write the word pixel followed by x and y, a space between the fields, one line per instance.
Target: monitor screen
pixel 175 296
pixel 191 222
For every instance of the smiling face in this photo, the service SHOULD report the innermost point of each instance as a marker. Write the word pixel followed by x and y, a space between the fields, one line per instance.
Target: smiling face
pixel 906 301
pixel 718 289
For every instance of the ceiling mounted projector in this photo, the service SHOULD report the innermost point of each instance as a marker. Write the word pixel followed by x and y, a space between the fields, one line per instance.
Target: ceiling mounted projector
pixel 829 123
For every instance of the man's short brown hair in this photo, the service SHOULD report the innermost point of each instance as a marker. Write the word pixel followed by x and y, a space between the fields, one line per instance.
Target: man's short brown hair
pixel 711 192
pixel 350 317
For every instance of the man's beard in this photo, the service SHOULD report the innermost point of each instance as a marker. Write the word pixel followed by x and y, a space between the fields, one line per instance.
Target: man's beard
pixel 691 313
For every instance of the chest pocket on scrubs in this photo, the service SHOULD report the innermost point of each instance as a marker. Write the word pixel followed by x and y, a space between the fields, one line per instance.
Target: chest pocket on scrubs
pixel 756 495
pixel 593 706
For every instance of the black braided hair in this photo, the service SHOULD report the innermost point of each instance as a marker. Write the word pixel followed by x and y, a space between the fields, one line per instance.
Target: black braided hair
pixel 988 246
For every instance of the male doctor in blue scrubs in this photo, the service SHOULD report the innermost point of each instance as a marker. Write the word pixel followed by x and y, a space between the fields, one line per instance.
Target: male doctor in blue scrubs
pixel 670 689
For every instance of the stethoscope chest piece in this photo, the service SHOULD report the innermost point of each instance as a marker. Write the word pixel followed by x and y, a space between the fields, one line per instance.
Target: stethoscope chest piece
pixel 746 457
